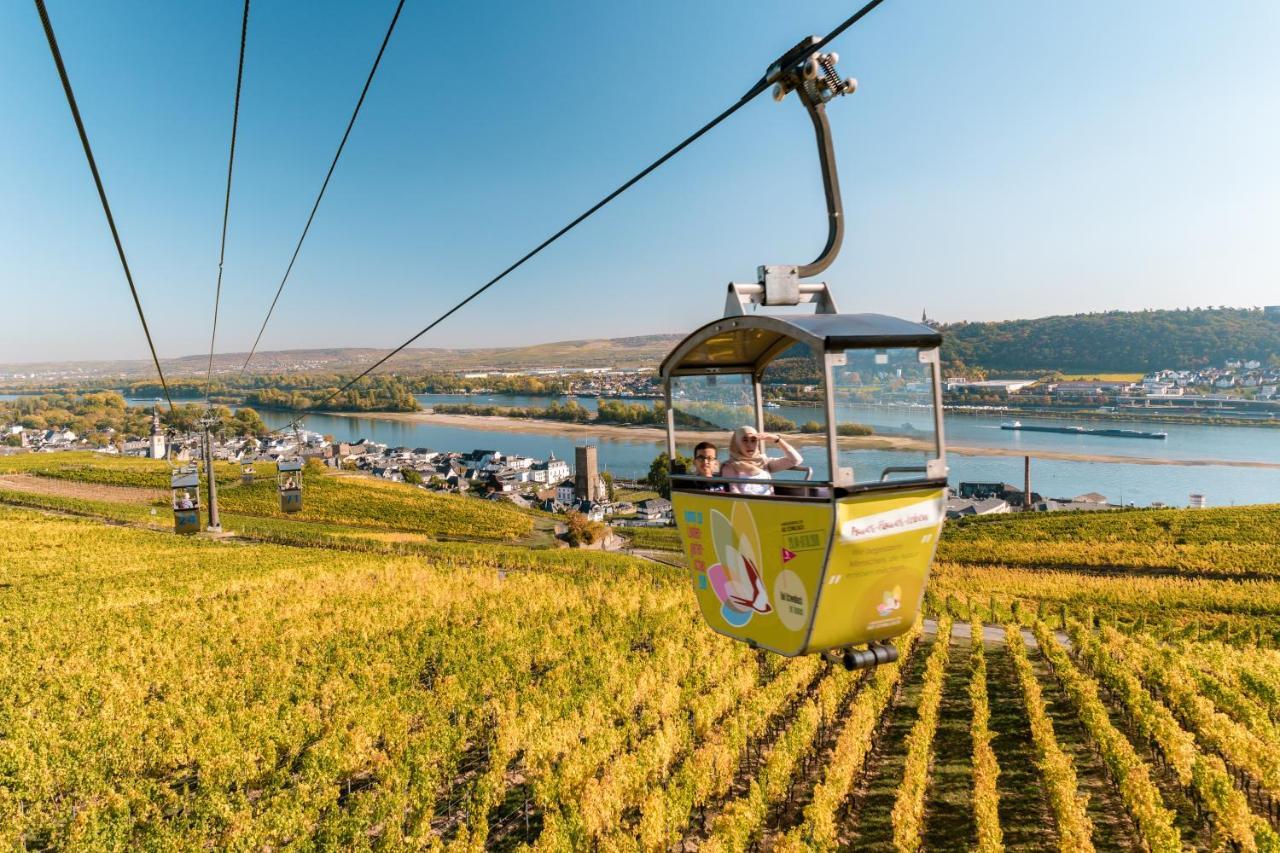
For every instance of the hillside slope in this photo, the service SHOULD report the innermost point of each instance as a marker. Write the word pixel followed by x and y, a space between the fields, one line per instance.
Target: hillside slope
pixel 177 692
pixel 1115 340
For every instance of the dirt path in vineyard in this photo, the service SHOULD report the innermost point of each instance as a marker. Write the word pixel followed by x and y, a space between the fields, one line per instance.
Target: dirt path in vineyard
pixel 85 491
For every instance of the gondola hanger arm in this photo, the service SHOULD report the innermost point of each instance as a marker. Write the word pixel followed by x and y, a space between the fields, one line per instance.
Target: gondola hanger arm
pixel 812 75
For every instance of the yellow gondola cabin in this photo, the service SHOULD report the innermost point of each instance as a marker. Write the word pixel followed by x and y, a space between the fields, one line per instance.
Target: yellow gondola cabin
pixel 814 563
pixel 289 483
pixel 185 485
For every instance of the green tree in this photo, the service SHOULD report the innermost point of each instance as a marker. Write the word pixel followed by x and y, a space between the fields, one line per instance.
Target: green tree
pixel 247 422
pixel 659 476
pixel 411 476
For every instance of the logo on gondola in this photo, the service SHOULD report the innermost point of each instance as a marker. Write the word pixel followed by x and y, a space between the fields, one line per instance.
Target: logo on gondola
pixel 891 601
pixel 735 577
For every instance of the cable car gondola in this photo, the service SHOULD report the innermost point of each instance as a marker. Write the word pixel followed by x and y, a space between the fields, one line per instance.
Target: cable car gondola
pixel 185 485
pixel 289 481
pixel 812 564
pixel 246 473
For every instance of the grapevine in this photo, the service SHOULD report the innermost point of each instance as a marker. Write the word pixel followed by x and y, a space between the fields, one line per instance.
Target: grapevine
pixel 741 820
pixel 986 799
pixel 908 810
pixel 818 831
pixel 1141 798
pixel 708 771
pixel 1219 732
pixel 624 781
pixel 1075 830
pixel 1206 775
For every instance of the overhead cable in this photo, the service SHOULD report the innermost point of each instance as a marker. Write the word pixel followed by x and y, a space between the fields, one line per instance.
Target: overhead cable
pixel 324 186
pixel 102 193
pixel 226 204
pixel 844 25
pixel 763 83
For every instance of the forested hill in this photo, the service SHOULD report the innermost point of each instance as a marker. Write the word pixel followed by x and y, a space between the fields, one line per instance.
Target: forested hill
pixel 1115 340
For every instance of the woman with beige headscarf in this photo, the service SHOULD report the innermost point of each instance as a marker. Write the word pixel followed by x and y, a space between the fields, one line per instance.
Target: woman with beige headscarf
pixel 748 461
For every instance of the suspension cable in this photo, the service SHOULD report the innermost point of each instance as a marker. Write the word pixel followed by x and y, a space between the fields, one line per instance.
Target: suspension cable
pixel 226 204
pixel 763 83
pixel 325 185
pixel 102 193
pixel 844 25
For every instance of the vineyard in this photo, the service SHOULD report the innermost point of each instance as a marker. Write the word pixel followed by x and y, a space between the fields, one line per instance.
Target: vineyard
pixel 361 503
pixel 352 680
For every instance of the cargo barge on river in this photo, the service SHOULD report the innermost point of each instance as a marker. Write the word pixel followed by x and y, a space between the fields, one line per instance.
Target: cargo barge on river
pixel 1077 430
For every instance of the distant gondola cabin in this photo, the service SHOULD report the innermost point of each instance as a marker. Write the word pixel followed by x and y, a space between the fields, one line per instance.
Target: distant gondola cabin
pixel 289 480
pixel 246 473
pixel 185 485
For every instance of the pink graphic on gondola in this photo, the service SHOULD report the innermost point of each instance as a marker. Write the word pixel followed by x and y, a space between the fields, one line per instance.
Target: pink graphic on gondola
pixel 736 576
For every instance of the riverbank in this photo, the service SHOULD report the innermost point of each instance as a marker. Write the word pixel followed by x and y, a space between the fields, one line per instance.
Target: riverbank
pixel 656 436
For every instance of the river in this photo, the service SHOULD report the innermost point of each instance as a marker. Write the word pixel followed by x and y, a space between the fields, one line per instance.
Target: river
pixel 1140 484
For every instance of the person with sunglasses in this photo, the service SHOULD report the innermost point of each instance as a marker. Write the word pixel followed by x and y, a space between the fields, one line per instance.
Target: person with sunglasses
pixel 748 460
pixel 706 464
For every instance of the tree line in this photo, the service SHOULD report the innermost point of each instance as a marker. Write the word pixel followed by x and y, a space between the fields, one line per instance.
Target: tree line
pixel 105 418
pixel 1115 341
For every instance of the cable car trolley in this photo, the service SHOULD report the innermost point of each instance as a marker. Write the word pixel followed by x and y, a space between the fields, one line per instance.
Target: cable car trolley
pixel 827 548
pixel 289 481
pixel 185 485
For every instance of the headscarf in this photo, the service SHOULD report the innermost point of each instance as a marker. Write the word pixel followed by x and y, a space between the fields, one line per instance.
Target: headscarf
pixel 741 456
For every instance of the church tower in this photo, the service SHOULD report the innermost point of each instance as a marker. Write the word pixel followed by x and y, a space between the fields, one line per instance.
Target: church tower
pixel 157 435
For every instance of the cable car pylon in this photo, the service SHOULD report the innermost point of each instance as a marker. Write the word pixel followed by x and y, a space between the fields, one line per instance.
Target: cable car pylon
pixel 835 565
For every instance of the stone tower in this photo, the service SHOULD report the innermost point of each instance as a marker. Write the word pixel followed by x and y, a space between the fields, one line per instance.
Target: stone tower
pixel 586 476
pixel 157 435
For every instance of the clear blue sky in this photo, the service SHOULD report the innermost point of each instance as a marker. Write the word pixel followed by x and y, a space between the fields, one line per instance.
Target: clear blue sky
pixel 1000 159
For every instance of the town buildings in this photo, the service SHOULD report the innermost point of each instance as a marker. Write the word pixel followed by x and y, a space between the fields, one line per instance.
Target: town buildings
pixel 1240 388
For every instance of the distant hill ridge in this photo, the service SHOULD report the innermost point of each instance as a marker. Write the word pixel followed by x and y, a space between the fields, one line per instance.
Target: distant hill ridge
pixel 1107 341
pixel 629 352
pixel 1115 340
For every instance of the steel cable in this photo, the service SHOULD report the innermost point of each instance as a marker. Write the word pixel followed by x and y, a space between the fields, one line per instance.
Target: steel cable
pixel 762 84
pixel 226 204
pixel 102 193
pixel 324 186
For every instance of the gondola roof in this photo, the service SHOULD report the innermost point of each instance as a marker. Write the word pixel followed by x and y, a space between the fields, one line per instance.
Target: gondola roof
pixel 747 343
